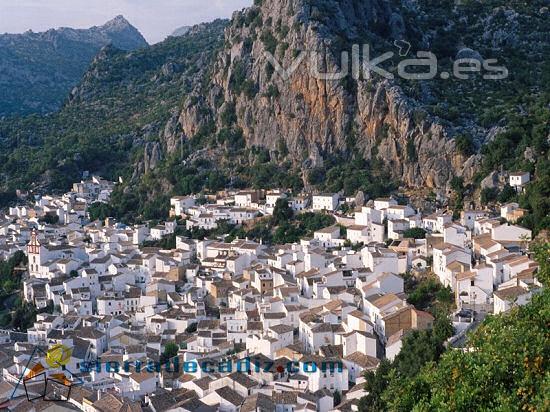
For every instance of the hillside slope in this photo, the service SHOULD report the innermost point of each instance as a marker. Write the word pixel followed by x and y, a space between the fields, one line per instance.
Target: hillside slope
pixel 122 103
pixel 208 109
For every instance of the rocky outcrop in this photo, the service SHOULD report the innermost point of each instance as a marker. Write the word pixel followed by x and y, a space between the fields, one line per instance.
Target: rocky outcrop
pixel 152 156
pixel 180 31
pixel 314 117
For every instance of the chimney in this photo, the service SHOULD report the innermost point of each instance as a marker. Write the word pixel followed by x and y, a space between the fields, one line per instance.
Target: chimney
pixel 98 394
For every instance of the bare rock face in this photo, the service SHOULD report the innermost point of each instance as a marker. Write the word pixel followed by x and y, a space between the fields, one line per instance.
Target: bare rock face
pixel 152 156
pixel 313 117
pixel 359 199
pixel 490 181
pixel 171 134
pixel 392 125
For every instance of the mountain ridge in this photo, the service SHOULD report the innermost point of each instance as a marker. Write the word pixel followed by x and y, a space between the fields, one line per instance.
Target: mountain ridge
pixel 37 70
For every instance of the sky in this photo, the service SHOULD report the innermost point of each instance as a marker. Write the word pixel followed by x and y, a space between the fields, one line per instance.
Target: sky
pixel 155 19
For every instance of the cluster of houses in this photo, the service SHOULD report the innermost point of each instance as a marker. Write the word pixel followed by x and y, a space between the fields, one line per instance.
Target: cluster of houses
pixel 240 207
pixel 306 320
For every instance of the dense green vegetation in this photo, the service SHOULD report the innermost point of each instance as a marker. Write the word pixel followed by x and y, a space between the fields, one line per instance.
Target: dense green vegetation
pixel 338 174
pixel 419 348
pixel 14 313
pixel 170 351
pixel 415 233
pixel 508 370
pixel 490 195
pixel 428 294
pixel 99 211
pixel 10 272
pixel 536 199
pixel 7 198
pixel 49 219
pixel 283 227
pixel 22 317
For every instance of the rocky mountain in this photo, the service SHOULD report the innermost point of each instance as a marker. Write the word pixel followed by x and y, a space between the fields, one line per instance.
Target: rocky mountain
pixel 180 31
pixel 37 70
pixel 316 119
pixel 210 109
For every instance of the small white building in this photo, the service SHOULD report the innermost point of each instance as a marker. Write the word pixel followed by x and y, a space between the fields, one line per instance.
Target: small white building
pixel 202 221
pixel 443 256
pixel 468 217
pixel 437 222
pixel 299 203
pixel 396 212
pixel 512 212
pixel 141 384
pixel 508 208
pixel 457 235
pixel 474 287
pixel 510 233
pixel 357 233
pixel 519 179
pixel 396 228
pixel 246 198
pixel 384 203
pixel 505 299
pixel 328 237
pixel 180 204
pixel 368 215
pixel 239 215
pixel 326 201
pixel 272 196
pixel 325 373
pixel 159 231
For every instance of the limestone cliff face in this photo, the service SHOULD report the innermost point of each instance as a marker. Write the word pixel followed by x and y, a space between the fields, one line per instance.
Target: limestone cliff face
pixel 316 118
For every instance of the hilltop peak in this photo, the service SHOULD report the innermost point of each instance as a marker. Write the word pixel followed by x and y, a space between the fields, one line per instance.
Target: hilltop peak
pixel 118 21
pixel 181 31
pixel 123 34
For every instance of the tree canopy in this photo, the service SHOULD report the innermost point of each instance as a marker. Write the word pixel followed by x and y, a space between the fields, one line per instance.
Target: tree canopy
pixel 506 370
